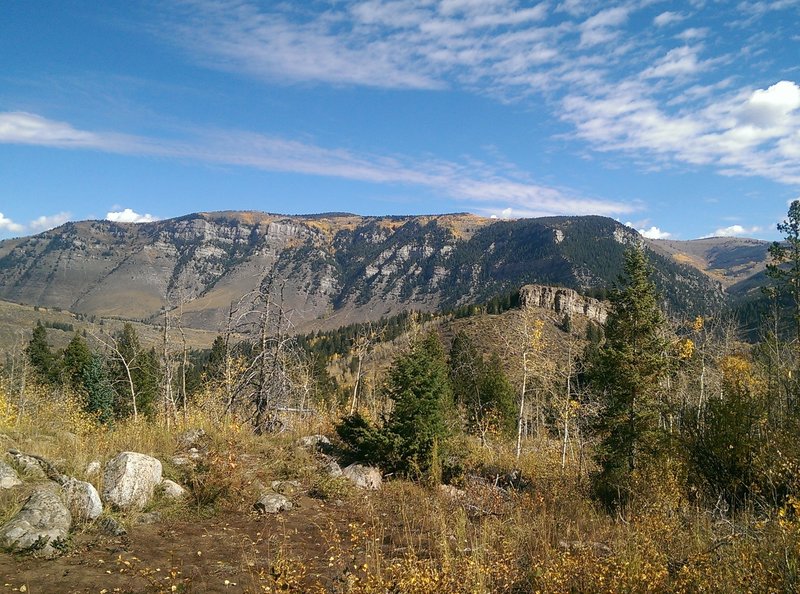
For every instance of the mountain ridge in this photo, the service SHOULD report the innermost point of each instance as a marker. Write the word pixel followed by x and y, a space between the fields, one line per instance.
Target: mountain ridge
pixel 333 268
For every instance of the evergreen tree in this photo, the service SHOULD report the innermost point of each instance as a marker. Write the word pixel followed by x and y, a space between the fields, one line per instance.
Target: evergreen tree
pixel 409 441
pixel 785 261
pixel 41 358
pixel 420 388
pixel 77 357
pixel 98 389
pixel 626 372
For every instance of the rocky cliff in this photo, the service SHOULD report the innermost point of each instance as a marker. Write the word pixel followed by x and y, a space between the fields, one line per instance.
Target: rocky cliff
pixel 328 270
pixel 563 301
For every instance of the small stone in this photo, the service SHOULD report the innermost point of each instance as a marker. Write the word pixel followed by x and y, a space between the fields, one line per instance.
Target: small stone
pixel 148 518
pixel 286 487
pixel 93 468
pixel 332 468
pixel 364 477
pixel 111 526
pixel 272 503
pixel 173 490
pixel 314 441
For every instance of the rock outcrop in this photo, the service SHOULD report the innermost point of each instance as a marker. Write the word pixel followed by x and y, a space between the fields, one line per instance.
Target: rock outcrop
pixel 563 301
pixel 130 480
pixel 40 527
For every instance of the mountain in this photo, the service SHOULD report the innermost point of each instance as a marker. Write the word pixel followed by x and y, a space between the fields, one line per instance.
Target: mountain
pixel 331 269
pixel 732 261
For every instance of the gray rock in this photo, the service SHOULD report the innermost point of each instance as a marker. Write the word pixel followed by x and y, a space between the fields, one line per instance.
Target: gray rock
pixel 130 479
pixel 93 468
pixel 181 461
pixel 193 438
pixel 28 465
pixel 173 490
pixel 111 526
pixel 148 518
pixel 40 527
pixel 364 477
pixel 82 499
pixel 272 503
pixel 332 468
pixel 314 441
pixel 8 477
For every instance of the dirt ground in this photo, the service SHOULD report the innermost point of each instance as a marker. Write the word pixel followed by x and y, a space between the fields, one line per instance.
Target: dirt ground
pixel 229 552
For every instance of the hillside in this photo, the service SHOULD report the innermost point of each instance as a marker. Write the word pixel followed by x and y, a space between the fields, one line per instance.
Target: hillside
pixel 728 260
pixel 330 269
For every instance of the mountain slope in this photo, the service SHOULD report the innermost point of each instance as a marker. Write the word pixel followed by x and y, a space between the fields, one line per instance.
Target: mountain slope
pixel 331 269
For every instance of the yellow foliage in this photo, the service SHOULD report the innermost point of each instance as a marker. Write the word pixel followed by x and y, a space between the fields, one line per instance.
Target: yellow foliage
pixel 698 324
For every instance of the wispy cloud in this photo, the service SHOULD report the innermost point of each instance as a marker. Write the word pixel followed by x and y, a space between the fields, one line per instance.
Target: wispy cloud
pixel 734 231
pixel 640 95
pixel 478 183
pixel 128 215
pixel 45 222
pixel 7 224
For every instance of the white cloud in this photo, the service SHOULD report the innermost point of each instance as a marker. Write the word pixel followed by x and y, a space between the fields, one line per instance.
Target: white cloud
pixel 9 225
pixel 471 181
pixel 45 222
pixel 652 233
pixel 668 18
pixel 127 215
pixel 679 61
pixel 734 231
pixel 603 26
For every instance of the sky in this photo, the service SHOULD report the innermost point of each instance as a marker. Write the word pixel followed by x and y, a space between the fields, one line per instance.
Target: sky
pixel 681 119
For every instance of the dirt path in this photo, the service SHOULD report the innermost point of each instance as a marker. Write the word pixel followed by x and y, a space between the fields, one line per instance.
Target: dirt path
pixel 230 552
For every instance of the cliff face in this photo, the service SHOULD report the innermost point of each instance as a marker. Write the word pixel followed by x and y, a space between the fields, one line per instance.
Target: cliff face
pixel 563 301
pixel 330 269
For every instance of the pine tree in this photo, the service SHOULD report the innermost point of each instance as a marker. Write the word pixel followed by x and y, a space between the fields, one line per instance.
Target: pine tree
pixel 41 358
pixel 626 372
pixel 77 357
pixel 420 388
pixel 98 388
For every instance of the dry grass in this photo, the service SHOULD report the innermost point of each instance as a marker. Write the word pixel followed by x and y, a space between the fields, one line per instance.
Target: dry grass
pixel 545 536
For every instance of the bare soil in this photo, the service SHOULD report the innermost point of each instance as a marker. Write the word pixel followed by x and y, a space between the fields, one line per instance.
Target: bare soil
pixel 228 552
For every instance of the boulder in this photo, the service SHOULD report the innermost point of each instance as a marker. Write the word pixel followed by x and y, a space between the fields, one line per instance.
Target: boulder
pixel 41 526
pixel 82 499
pixel 27 465
pixel 364 477
pixel 130 480
pixel 8 477
pixel 173 490
pixel 272 503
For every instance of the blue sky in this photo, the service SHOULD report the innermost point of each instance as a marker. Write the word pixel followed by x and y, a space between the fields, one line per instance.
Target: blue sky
pixel 680 118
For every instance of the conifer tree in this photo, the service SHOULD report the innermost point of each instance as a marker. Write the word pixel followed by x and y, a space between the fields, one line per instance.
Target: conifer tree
pixel 626 372
pixel 41 358
pixel 77 357
pixel 98 388
pixel 420 388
